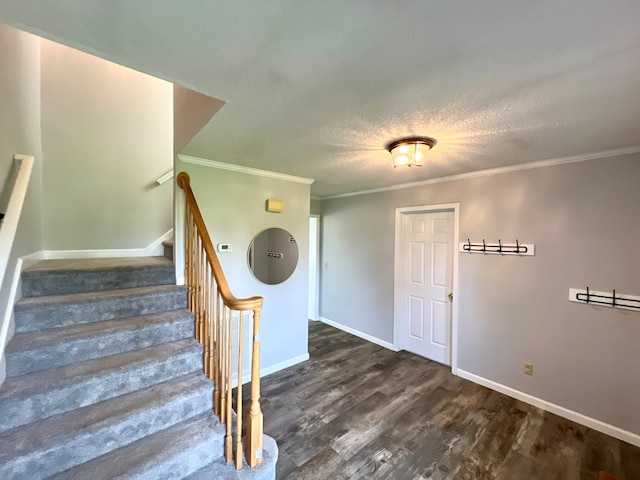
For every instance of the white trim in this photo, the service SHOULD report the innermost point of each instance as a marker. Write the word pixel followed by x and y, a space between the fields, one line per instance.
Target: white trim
pixel 496 171
pixel 179 200
pixel 156 248
pixel 282 365
pixel 397 280
pixel 153 249
pixel 31 259
pixel 24 166
pixel 248 170
pixel 246 375
pixel 165 177
pixel 357 333
pixel 316 312
pixel 112 253
pixel 7 318
pixel 580 418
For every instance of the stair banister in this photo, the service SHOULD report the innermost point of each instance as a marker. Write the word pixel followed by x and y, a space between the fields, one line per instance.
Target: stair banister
pixel 213 304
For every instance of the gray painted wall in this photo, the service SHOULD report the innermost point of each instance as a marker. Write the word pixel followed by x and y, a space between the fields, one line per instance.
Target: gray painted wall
pixel 107 134
pixel 582 217
pixel 316 207
pixel 20 133
pixel 233 207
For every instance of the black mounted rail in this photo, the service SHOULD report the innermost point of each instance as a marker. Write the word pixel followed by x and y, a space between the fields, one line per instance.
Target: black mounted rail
pixel 499 247
pixel 612 300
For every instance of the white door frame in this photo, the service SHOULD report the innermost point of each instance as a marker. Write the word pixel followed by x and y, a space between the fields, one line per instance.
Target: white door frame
pixel 397 270
pixel 316 313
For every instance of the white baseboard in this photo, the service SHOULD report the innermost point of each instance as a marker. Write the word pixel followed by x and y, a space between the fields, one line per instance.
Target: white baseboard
pixel 155 248
pixel 246 376
pixel 590 422
pixel 28 260
pixel 282 365
pixel 112 253
pixel 358 333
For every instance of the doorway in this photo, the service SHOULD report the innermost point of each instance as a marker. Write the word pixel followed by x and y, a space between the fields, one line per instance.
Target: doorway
pixel 425 281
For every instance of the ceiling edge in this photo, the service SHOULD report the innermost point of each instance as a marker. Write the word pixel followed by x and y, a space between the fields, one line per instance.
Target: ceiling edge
pixel 239 168
pixel 497 171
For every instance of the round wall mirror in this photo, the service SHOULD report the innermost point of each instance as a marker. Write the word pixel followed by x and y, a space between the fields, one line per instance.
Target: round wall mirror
pixel 273 255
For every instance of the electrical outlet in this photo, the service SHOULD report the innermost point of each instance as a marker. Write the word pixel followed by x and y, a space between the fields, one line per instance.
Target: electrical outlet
pixel 326 265
pixel 528 368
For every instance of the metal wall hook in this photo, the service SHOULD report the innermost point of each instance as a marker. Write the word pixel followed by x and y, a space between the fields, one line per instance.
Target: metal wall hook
pixel 587 294
pixel 613 298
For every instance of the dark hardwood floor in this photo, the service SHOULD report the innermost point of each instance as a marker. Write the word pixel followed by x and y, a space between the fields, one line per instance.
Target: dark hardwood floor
pixel 359 411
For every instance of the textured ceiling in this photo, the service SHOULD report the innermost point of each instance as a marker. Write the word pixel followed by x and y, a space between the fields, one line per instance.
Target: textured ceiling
pixel 317 89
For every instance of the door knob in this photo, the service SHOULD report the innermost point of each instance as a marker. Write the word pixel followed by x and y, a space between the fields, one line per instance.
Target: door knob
pixel 451 296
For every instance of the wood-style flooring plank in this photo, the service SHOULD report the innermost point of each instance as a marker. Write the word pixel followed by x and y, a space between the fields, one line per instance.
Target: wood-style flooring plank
pixel 358 411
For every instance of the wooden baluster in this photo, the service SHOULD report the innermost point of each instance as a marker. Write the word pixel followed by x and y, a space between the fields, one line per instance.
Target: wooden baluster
pixel 254 419
pixel 187 259
pixel 192 289
pixel 223 365
pixel 239 397
pixel 193 271
pixel 207 320
pixel 201 294
pixel 212 325
pixel 217 361
pixel 229 354
pixel 194 280
pixel 187 251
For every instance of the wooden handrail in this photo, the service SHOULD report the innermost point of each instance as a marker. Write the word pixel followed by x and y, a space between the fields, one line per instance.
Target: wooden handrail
pixel 213 305
pixel 244 304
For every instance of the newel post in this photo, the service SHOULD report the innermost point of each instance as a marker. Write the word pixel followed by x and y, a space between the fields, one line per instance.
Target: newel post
pixel 253 449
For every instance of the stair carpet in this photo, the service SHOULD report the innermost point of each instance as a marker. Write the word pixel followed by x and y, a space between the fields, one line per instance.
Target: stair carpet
pixel 104 379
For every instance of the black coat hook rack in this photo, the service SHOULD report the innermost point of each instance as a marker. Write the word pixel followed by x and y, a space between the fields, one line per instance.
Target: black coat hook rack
pixel 605 299
pixel 498 248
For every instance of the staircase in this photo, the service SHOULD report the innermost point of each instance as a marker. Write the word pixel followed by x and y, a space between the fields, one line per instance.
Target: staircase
pixel 104 379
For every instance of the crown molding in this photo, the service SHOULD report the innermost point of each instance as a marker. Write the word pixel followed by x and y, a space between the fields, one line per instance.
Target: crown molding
pixel 497 171
pixel 240 169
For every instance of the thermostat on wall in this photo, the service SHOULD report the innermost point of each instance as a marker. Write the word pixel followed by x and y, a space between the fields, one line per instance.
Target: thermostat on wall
pixel 224 247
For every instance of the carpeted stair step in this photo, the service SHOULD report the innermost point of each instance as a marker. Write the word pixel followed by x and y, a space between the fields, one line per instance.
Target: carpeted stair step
pixel 63 441
pixel 35 351
pixel 168 249
pixel 42 313
pixel 219 468
pixel 173 453
pixel 39 395
pixel 60 277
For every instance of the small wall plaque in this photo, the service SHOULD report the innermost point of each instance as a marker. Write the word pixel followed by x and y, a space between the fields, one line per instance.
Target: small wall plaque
pixel 275 205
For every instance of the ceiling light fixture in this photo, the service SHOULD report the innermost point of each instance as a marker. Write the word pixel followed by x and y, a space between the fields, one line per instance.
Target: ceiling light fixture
pixel 410 151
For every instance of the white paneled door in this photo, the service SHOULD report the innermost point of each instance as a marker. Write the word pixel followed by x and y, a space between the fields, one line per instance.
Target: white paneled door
pixel 427 268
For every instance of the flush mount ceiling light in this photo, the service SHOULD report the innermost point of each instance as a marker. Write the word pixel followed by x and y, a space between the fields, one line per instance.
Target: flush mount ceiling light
pixel 410 151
